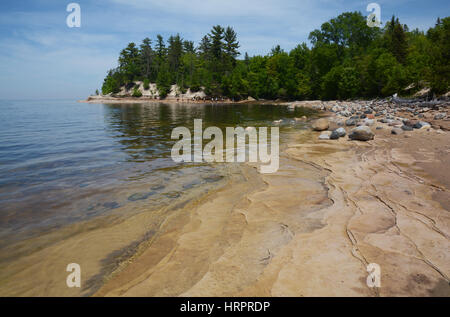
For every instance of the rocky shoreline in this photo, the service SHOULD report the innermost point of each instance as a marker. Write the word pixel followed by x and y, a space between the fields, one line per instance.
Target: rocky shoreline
pixel 361 120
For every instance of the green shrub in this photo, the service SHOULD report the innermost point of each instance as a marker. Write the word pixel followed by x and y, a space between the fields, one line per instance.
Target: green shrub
pixel 136 92
pixel 195 88
pixel 146 84
pixel 163 92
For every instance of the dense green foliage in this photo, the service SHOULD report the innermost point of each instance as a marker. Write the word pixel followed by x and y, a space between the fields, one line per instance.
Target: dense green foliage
pixel 346 59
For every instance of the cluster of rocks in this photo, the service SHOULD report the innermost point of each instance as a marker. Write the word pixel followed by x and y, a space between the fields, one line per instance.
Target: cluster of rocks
pixel 362 117
pixel 415 114
pixel 361 133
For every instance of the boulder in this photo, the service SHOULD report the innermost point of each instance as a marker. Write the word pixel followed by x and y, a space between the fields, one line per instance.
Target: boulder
pixel 338 133
pixel 420 124
pixel 407 128
pixel 362 133
pixel 396 131
pixel 320 124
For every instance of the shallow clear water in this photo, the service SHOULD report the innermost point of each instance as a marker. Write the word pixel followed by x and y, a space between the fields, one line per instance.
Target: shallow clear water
pixel 63 161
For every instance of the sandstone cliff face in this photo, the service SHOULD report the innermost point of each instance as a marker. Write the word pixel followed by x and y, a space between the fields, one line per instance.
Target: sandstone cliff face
pixel 152 92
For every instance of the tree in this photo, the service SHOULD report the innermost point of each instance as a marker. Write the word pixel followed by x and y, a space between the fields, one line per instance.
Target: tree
pixel 146 53
pixel 160 47
pixel 396 40
pixel 440 55
pixel 174 52
pixel 348 30
pixel 188 47
pixel 112 82
pixel 204 48
pixel 216 36
pixel 231 45
pixel 163 81
pixel 129 62
pixel 347 59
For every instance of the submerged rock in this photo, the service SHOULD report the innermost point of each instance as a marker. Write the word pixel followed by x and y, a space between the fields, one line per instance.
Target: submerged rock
pixel 157 187
pixel 172 195
pixel 140 196
pixel 111 205
pixel 192 184
pixel 362 133
pixel 212 178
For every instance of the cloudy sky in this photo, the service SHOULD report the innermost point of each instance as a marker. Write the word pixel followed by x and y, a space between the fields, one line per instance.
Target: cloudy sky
pixel 40 57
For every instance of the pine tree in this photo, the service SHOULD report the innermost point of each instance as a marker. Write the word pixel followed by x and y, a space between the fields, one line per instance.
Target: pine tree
pixel 188 47
pixel 216 37
pixel 204 48
pixel 160 47
pixel 397 40
pixel 174 52
pixel 129 62
pixel 146 53
pixel 231 43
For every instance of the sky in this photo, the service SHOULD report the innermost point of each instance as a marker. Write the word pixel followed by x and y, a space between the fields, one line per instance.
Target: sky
pixel 42 58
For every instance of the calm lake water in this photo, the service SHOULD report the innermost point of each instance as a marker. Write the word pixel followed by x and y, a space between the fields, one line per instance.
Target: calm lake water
pixel 63 161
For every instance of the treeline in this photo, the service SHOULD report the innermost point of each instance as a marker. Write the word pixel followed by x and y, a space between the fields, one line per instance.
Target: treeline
pixel 347 59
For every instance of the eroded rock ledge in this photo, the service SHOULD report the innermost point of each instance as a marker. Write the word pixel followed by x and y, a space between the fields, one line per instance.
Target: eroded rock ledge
pixel 311 228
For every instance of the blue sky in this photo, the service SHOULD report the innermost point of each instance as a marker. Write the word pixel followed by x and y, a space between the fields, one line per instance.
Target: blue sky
pixel 40 57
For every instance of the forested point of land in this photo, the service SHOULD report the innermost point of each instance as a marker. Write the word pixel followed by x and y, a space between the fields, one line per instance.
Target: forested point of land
pixel 345 59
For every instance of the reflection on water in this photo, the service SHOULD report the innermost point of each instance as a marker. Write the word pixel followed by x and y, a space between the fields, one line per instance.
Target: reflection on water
pixel 63 162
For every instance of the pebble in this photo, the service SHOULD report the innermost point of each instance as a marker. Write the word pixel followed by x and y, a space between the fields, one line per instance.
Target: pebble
pixel 325 135
pixel 350 122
